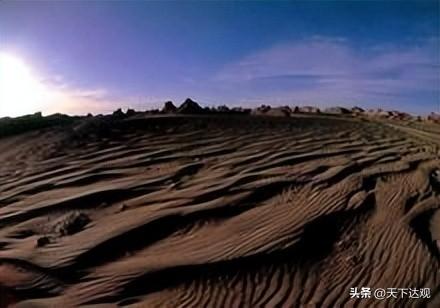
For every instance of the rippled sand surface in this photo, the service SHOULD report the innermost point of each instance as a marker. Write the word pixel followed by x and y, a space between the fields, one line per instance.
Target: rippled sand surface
pixel 212 211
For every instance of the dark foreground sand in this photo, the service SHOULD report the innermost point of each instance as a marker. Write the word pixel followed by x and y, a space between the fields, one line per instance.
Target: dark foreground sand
pixel 216 211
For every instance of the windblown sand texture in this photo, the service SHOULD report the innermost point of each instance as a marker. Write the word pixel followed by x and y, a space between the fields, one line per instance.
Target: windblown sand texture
pixel 217 211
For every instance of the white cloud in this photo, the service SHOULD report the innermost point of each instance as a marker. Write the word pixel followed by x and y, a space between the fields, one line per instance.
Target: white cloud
pixel 324 71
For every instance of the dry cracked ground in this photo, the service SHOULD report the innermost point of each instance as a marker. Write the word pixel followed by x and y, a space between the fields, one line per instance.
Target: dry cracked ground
pixel 215 211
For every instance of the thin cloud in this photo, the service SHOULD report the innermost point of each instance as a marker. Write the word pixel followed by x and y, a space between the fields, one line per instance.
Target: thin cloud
pixel 327 71
pixel 76 101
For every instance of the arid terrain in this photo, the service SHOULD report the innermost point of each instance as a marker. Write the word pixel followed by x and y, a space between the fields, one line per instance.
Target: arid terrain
pixel 219 211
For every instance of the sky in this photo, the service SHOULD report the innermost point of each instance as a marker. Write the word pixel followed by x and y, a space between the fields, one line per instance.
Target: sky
pixel 98 56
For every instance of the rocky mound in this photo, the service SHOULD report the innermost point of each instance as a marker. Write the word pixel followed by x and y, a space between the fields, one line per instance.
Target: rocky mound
pixel 262 110
pixel 357 110
pixel 119 114
pixel 309 109
pixel 169 107
pixel 283 111
pixel 337 110
pixel 190 107
pixel 434 117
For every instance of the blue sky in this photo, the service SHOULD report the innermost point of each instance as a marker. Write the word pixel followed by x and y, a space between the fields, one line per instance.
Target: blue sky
pixel 140 53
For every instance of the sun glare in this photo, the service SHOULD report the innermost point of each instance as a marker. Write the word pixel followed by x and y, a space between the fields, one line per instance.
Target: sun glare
pixel 20 91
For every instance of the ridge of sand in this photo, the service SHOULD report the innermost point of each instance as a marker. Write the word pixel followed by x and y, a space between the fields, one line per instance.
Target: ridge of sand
pixel 219 211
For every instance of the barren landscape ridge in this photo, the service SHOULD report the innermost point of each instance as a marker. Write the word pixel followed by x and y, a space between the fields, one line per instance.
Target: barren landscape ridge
pixel 219 210
pixel 220 154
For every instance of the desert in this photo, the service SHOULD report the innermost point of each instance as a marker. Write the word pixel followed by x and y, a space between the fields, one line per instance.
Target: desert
pixel 184 208
pixel 220 154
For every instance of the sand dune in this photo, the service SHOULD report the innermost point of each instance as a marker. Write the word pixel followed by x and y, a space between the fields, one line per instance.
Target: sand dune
pixel 217 211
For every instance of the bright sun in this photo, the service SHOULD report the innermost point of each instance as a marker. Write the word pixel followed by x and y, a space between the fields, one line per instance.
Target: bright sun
pixel 20 92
